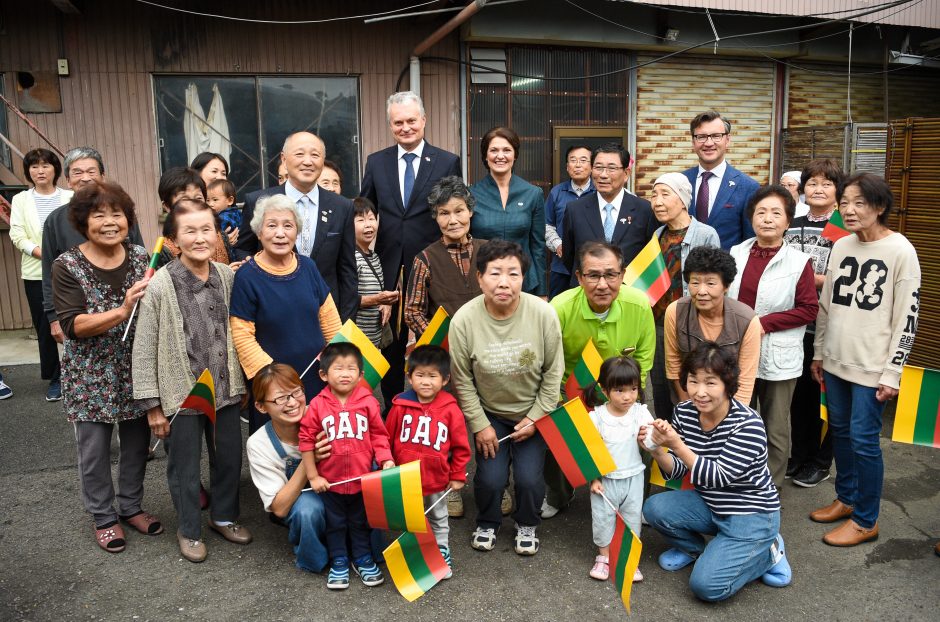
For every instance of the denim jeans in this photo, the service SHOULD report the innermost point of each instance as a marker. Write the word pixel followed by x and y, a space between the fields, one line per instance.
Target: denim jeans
pixel 307 524
pixel 855 425
pixel 738 554
pixel 492 476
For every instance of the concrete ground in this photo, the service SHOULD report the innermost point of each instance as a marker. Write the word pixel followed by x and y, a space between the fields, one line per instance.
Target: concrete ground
pixel 51 569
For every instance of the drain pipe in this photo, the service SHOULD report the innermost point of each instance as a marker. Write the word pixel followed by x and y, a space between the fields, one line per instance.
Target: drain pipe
pixel 452 24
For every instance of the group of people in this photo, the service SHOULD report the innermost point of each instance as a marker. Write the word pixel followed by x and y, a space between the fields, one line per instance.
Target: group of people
pixel 758 304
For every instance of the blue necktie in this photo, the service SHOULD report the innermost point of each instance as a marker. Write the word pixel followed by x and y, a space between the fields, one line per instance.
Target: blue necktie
pixel 409 177
pixel 609 222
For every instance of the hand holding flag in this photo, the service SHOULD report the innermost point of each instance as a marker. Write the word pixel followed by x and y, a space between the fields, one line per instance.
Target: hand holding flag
pixel 151 269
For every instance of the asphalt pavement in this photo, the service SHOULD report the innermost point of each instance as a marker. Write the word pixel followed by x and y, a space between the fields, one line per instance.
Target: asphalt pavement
pixel 51 568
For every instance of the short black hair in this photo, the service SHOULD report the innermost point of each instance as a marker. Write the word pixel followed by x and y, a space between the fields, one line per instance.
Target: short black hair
pixel 709 356
pixel 500 249
pixel 705 117
pixel 177 179
pixel 333 166
pixel 617 148
pixel 616 372
pixel 710 260
pixel 772 190
pixel 596 249
pixel 42 156
pixel 826 167
pixel 92 196
pixel 362 206
pixel 429 356
pixel 228 188
pixel 573 147
pixel 334 350
pixel 186 206
pixel 876 191
pixel 202 160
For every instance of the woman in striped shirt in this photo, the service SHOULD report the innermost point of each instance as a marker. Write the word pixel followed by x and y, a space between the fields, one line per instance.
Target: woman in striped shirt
pixel 720 444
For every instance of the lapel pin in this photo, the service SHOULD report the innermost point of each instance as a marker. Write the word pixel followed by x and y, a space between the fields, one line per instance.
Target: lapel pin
pixel 427 159
pixel 323 218
pixel 730 183
pixel 520 204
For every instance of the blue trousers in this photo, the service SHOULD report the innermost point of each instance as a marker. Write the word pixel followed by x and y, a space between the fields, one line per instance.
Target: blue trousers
pixel 528 461
pixel 855 425
pixel 738 554
pixel 346 515
pixel 307 527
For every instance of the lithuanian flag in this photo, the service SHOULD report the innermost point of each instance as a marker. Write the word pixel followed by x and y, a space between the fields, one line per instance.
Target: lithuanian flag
pixel 585 371
pixel 374 363
pixel 415 563
pixel 647 272
pixel 624 558
pixel 917 419
pixel 823 412
pixel 393 498
pixel 656 477
pixel 835 228
pixel 436 332
pixel 575 442
pixel 202 396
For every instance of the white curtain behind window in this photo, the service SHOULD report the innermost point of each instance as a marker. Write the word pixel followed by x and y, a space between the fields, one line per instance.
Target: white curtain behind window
pixel 205 132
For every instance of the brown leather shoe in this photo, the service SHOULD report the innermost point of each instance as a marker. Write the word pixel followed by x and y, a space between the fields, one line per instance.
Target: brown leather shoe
pixel 193 550
pixel 832 512
pixel 232 532
pixel 936 549
pixel 850 534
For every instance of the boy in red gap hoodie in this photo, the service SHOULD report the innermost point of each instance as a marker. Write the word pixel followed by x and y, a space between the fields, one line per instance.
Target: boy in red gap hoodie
pixel 349 415
pixel 426 424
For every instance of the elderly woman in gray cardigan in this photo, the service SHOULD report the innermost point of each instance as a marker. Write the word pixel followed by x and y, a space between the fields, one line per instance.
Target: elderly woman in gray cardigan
pixel 182 330
pixel 679 234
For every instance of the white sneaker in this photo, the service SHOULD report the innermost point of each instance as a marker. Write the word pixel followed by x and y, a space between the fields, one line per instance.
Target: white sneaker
pixel 548 510
pixel 527 543
pixel 483 539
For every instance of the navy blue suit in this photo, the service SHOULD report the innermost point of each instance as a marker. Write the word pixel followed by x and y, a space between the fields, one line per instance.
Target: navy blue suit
pixel 634 228
pixel 729 214
pixel 334 245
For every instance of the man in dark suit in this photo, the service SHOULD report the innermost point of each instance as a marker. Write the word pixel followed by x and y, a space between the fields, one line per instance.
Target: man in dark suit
pixel 720 201
pixel 327 235
pixel 613 215
pixel 398 180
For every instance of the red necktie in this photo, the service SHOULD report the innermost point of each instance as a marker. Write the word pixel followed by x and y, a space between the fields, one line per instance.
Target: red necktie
pixel 701 199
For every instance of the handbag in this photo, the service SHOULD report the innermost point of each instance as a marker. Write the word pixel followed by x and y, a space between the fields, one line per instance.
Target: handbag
pixel 386 338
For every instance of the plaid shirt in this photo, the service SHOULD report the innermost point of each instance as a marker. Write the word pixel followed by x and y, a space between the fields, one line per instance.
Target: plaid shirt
pixel 417 314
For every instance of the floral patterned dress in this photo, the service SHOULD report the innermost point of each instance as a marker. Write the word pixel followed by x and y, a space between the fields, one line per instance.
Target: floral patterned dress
pixel 96 371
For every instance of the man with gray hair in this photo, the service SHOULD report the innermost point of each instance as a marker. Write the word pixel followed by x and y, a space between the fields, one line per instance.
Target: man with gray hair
pixel 397 180
pixel 83 166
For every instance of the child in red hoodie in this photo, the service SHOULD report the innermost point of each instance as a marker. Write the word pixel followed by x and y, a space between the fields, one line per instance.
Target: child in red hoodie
pixel 349 415
pixel 426 424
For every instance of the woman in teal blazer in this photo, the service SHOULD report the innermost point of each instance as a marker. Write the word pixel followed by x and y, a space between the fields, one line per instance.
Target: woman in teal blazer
pixel 510 208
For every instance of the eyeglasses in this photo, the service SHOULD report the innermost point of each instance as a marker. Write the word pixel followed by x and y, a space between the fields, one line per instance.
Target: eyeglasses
pixel 702 138
pixel 595 277
pixel 610 170
pixel 280 400
pixel 579 160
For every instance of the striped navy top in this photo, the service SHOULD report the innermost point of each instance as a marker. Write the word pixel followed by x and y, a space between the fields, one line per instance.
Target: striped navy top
pixel 730 472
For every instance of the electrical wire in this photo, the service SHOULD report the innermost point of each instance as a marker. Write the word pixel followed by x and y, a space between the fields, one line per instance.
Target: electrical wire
pixel 674 9
pixel 284 22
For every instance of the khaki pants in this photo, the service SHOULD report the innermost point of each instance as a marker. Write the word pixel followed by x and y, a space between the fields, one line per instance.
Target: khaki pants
pixel 772 399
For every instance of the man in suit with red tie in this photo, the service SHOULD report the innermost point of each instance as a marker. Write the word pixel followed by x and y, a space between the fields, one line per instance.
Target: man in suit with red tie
pixel 720 191
pixel 397 180
pixel 613 215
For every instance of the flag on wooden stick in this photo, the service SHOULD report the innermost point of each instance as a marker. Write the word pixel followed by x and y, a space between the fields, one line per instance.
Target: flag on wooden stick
pixel 575 442
pixel 393 498
pixel 202 396
pixel 647 272
pixel 436 332
pixel 917 420
pixel 374 364
pixel 415 563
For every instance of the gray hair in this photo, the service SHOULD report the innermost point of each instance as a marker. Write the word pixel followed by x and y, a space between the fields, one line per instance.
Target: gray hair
pixel 450 188
pixel 82 153
pixel 274 203
pixel 402 97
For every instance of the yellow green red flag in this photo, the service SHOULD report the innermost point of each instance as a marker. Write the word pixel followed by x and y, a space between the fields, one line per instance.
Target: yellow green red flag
pixel 585 372
pixel 624 558
pixel 393 498
pixel 656 477
pixel 374 364
pixel 575 442
pixel 823 412
pixel 917 420
pixel 202 396
pixel 415 563
pixel 647 272
pixel 436 332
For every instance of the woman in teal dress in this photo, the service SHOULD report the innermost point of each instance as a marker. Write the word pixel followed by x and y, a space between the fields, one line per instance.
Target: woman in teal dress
pixel 510 208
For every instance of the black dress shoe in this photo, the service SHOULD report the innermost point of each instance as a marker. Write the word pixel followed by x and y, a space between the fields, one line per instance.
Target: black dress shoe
pixel 810 476
pixel 792 469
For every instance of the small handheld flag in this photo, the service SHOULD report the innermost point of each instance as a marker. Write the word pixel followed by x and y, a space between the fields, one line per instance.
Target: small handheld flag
pixel 647 272
pixel 624 558
pixel 823 412
pixel 585 372
pixel 835 228
pixel 917 420
pixel 151 269
pixel 575 442
pixel 436 332
pixel 202 396
pixel 656 477
pixel 393 498
pixel 415 563
pixel 375 365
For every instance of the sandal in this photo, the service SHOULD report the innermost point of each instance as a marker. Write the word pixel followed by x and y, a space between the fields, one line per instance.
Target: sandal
pixel 110 538
pixel 601 568
pixel 145 523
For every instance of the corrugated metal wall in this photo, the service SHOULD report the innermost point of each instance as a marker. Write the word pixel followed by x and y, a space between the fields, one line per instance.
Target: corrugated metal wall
pixel 113 47
pixel 670 93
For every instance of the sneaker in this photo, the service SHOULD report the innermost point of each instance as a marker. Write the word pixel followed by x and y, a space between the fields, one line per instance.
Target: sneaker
pixel 5 391
pixel 455 505
pixel 810 477
pixel 505 505
pixel 527 543
pixel 369 571
pixel 445 553
pixel 54 393
pixel 338 579
pixel 792 469
pixel 780 573
pixel 483 539
pixel 548 510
